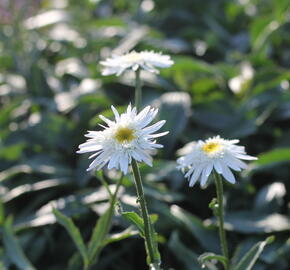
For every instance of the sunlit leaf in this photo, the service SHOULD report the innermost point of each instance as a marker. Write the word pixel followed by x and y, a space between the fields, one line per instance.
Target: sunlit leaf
pixel 253 222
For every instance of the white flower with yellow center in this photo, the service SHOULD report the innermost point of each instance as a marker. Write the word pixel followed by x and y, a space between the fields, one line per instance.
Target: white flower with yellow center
pixel 214 153
pixel 123 139
pixel 147 60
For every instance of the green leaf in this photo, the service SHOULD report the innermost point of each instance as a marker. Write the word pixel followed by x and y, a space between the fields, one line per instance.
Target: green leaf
pixel 121 235
pixel 248 261
pixel 211 256
pixel 12 152
pixel 74 233
pixel 153 218
pixel 13 248
pixel 136 220
pixel 155 242
pixel 99 234
pixel 273 157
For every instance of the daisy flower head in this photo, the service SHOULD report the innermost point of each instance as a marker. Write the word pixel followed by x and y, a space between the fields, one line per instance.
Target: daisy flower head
pixel 129 136
pixel 213 154
pixel 147 60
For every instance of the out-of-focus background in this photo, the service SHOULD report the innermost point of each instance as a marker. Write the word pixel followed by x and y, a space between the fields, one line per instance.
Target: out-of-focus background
pixel 230 77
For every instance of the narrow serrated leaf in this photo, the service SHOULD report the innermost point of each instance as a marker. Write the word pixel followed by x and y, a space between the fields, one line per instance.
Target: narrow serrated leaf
pixel 136 220
pixel 74 233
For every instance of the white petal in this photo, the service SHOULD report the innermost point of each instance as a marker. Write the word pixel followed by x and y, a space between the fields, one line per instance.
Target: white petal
pixel 113 163
pixel 208 169
pixel 218 167
pixel 230 162
pixel 108 121
pixel 156 135
pixel 245 157
pixel 195 176
pixel 124 163
pixel 228 175
pixel 153 128
pixel 204 178
pixel 117 116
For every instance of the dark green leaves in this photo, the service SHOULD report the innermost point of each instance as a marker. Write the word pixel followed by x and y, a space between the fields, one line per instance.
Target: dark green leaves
pixel 175 109
pixel 255 222
pixel 13 248
pixel 249 259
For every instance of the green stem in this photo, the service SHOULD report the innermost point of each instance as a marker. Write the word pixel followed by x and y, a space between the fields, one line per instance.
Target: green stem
pixel 149 238
pixel 138 90
pixel 220 215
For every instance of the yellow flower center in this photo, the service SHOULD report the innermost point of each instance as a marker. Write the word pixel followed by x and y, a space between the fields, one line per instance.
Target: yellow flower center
pixel 211 147
pixel 124 134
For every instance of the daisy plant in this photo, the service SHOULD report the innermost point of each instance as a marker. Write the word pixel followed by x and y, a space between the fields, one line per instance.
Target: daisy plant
pixel 217 156
pixel 128 141
pixel 124 142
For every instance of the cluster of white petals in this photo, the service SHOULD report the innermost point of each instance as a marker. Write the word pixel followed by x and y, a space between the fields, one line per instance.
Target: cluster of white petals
pixel 147 60
pixel 213 154
pixel 129 136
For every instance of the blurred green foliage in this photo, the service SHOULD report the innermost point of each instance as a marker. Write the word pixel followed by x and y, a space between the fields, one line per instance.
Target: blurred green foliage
pixel 231 77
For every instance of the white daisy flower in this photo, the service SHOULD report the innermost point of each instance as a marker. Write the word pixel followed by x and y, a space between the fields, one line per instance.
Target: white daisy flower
pixel 215 153
pixel 123 139
pixel 147 60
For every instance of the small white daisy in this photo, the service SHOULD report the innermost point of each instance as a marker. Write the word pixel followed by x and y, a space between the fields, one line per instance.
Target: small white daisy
pixel 215 153
pixel 123 139
pixel 147 60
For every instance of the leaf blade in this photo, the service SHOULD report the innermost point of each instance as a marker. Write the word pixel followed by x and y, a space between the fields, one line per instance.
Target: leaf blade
pixel 248 261
pixel 13 248
pixel 74 233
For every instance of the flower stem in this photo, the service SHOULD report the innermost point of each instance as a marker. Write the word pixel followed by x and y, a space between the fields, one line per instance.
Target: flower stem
pixel 148 232
pixel 220 216
pixel 138 90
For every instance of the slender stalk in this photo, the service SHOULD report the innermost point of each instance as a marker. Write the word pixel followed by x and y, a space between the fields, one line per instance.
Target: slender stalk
pixel 220 216
pixel 138 90
pixel 148 233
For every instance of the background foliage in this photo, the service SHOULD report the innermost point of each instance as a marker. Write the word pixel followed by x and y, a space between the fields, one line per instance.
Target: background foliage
pixel 231 77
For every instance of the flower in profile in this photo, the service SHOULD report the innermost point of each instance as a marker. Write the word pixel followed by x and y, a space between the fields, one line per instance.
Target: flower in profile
pixel 213 154
pixel 147 60
pixel 129 136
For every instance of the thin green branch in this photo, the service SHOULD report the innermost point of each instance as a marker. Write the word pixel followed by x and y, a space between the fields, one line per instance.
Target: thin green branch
pixel 148 233
pixel 220 216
